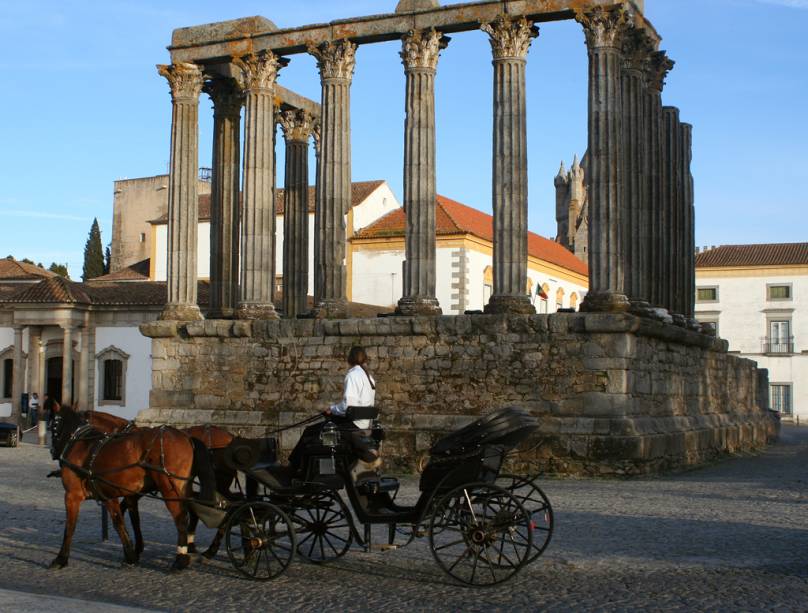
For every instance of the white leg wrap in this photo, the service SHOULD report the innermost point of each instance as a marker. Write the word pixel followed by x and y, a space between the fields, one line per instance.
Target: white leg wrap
pixel 181 550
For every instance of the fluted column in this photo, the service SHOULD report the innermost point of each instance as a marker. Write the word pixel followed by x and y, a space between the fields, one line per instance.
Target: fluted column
pixel 689 227
pixel 656 69
pixel 604 30
pixel 257 225
pixel 225 190
pixel 185 81
pixel 336 61
pixel 510 41
pixel 670 209
pixel 420 52
pixel 636 226
pixel 317 273
pixel 32 367
pixel 297 128
pixel 86 378
pixel 67 365
pixel 18 376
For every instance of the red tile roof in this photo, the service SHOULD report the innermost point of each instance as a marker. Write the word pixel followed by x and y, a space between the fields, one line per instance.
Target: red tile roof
pixel 452 217
pixel 13 270
pixel 139 271
pixel 772 254
pixel 360 191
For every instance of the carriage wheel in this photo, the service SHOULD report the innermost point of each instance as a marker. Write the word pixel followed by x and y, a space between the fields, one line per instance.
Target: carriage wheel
pixel 538 507
pixel 323 527
pixel 260 540
pixel 480 534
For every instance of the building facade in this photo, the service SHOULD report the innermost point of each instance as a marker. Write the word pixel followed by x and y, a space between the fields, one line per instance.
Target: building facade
pixel 756 297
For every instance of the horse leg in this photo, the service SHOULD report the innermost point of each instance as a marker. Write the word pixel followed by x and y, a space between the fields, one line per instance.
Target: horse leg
pixel 193 522
pixel 180 515
pixel 131 503
pixel 72 503
pixel 114 509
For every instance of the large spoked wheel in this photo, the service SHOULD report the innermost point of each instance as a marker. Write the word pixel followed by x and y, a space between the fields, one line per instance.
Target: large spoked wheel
pixel 538 507
pixel 323 527
pixel 260 540
pixel 480 534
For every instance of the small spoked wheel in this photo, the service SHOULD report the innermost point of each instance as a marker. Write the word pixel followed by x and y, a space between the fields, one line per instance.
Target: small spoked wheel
pixel 480 534
pixel 538 507
pixel 260 540
pixel 323 527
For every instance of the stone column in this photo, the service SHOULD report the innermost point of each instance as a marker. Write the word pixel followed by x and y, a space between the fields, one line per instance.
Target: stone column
pixel 18 376
pixel 657 68
pixel 689 233
pixel 336 61
pixel 67 365
pixel 636 230
pixel 297 126
pixel 186 84
pixel 317 273
pixel 669 222
pixel 32 368
pixel 87 369
pixel 257 226
pixel 420 52
pixel 224 199
pixel 607 265
pixel 510 40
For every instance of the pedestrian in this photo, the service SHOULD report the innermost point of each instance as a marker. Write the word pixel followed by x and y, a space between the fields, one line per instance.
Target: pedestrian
pixel 33 408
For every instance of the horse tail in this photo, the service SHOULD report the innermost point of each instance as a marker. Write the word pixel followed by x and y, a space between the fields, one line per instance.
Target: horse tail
pixel 203 468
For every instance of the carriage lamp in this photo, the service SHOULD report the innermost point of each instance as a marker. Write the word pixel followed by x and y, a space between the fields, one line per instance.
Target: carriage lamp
pixel 329 435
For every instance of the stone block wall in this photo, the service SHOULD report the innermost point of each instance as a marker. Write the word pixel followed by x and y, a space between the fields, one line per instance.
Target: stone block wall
pixel 615 394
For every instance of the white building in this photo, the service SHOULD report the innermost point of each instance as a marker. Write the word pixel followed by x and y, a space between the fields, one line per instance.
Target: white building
pixel 756 296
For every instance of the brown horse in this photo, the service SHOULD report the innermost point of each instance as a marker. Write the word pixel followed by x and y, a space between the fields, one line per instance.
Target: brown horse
pixel 95 465
pixel 214 438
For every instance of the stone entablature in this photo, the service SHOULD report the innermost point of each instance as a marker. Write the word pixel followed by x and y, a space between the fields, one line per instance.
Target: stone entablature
pixel 615 394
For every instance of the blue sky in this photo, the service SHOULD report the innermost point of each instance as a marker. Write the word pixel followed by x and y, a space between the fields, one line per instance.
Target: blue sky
pixel 82 105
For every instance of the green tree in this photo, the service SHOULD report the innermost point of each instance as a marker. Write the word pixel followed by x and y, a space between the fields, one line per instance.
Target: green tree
pixel 93 254
pixel 59 269
pixel 107 259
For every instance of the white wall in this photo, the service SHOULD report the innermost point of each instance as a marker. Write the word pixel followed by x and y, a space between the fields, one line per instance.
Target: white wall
pixel 743 312
pixel 138 369
pixel 377 277
pixel 380 202
pixel 6 340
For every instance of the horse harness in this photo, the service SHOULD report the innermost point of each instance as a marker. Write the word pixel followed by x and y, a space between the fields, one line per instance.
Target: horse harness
pixel 86 432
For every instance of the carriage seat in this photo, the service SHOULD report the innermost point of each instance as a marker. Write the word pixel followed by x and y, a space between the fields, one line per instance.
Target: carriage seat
pixel 377 485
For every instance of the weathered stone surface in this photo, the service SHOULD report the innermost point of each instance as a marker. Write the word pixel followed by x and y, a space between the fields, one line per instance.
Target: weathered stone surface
pixel 616 394
pixel 408 6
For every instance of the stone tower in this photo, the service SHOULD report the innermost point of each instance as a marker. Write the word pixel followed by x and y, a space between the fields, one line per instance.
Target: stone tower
pixel 571 208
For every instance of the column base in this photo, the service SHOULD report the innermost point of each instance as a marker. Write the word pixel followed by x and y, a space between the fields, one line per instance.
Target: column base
pixel 640 307
pixel 181 312
pixel 512 305
pixel 694 324
pixel 605 302
pixel 222 314
pixel 419 306
pixel 251 310
pixel 331 309
pixel 679 320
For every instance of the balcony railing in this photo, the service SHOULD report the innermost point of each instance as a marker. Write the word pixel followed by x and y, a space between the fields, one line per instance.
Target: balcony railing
pixel 777 345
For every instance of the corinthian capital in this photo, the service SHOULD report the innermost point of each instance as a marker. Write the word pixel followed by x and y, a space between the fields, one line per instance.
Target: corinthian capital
pixel 297 125
pixel 420 49
pixel 603 27
pixel 657 68
pixel 336 60
pixel 315 134
pixel 637 49
pixel 510 38
pixel 226 95
pixel 259 71
pixel 184 79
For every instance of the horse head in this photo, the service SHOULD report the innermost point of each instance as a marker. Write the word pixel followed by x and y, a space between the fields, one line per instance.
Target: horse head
pixel 65 423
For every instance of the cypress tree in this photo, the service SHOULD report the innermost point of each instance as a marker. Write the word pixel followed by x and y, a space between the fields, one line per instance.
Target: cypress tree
pixel 93 254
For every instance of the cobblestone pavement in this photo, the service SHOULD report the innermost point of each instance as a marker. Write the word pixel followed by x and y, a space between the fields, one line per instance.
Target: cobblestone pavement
pixel 732 536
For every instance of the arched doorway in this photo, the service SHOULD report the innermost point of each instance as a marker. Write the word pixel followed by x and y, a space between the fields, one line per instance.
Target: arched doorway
pixel 53 378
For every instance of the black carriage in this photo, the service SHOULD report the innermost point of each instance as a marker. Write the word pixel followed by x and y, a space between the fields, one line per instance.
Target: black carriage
pixel 483 525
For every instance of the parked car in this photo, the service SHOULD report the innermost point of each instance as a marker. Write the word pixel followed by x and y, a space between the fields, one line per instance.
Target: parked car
pixel 9 434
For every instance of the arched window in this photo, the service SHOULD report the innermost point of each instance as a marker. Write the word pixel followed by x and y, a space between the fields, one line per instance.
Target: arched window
pixel 488 284
pixel 112 376
pixel 560 298
pixel 543 308
pixel 573 300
